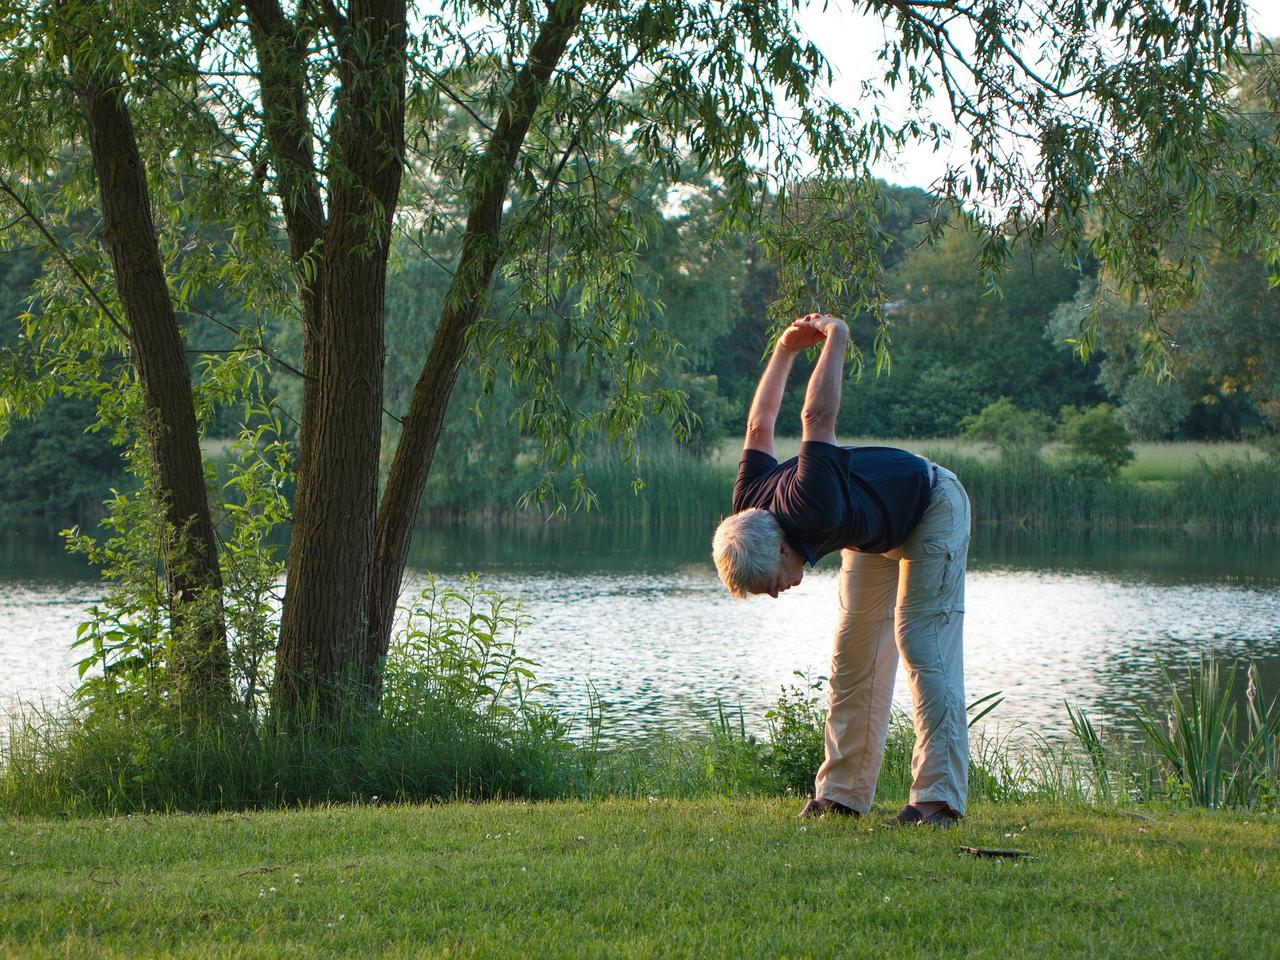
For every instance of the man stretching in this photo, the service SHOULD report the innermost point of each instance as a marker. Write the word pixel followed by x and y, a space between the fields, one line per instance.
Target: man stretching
pixel 902 526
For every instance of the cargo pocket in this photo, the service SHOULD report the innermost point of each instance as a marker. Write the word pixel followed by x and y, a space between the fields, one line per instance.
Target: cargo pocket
pixel 934 568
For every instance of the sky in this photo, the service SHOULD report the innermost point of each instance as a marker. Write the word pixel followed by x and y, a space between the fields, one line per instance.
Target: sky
pixel 850 41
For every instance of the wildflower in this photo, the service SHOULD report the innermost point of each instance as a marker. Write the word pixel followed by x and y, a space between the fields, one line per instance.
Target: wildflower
pixel 1252 691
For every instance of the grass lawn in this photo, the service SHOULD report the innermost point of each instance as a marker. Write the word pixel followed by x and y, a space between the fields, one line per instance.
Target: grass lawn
pixel 706 878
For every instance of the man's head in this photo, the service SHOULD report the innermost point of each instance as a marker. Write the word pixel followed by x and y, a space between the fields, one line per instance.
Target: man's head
pixel 753 556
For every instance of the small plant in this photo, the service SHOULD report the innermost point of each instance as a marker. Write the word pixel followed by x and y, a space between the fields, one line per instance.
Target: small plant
pixel 796 724
pixel 1260 754
pixel 1194 738
pixel 457 652
pixel 1091 740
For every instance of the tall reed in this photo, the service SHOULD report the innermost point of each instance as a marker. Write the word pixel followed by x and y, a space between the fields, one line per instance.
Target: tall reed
pixel 1194 750
pixel 1230 494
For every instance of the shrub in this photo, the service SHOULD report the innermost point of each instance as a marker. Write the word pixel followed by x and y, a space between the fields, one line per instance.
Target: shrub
pixel 796 733
pixel 1015 432
pixel 1097 444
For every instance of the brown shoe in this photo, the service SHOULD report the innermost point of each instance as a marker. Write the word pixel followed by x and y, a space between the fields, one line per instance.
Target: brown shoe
pixel 910 816
pixel 821 807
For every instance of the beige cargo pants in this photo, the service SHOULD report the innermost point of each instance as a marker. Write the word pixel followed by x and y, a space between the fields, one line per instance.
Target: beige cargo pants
pixel 906 603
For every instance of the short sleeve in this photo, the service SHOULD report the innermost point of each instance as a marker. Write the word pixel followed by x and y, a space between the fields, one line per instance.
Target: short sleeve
pixel 819 465
pixel 816 499
pixel 754 467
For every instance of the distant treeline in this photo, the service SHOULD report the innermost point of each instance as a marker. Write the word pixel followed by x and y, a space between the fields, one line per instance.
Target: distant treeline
pixel 958 344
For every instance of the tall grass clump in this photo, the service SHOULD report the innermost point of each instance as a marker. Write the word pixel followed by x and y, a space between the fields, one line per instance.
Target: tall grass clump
pixel 461 717
pixel 1194 749
pixel 1205 751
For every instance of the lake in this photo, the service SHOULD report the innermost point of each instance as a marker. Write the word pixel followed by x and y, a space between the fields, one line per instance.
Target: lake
pixel 640 616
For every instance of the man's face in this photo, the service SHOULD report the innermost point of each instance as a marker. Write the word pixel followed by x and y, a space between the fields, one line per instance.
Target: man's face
pixel 789 573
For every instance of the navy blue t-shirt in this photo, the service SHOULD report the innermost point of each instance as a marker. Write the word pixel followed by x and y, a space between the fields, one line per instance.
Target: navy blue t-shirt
pixel 829 497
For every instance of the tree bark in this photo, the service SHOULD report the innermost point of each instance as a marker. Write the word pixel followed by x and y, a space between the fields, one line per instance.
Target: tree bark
pixel 322 653
pixel 201 664
pixel 481 250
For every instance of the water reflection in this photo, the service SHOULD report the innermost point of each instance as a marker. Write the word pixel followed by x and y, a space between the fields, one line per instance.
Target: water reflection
pixel 639 614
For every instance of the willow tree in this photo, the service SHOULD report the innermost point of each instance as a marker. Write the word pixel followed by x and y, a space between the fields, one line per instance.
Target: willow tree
pixel 515 133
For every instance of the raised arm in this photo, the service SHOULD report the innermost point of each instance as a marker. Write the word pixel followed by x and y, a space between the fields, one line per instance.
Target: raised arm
pixel 768 398
pixel 822 400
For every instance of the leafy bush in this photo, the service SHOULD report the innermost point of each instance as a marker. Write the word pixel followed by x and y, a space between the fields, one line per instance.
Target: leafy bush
pixel 128 639
pixel 456 655
pixel 1097 444
pixel 796 747
pixel 1016 433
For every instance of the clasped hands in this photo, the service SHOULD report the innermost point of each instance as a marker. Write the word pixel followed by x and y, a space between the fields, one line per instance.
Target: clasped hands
pixel 810 329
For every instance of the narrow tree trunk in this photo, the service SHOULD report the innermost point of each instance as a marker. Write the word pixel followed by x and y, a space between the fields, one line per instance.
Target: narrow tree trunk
pixel 201 664
pixel 281 53
pixel 322 654
pixel 411 465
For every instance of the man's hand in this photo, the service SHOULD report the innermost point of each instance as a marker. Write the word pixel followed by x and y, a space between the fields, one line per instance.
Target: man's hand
pixel 823 324
pixel 808 330
pixel 801 335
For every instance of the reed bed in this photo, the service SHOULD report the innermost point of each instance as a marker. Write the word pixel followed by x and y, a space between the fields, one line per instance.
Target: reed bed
pixel 1227 494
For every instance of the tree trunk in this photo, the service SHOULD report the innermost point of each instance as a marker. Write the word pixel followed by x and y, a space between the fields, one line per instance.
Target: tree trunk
pixel 281 52
pixel 322 654
pixel 411 465
pixel 201 665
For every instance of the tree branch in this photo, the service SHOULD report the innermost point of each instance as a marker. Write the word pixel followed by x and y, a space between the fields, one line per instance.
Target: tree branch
pixel 57 248
pixel 480 252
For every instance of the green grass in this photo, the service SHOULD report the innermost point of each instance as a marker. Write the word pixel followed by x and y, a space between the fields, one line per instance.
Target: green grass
pixel 1167 461
pixel 706 878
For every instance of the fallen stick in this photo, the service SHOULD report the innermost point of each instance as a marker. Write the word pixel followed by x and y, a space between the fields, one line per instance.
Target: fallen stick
pixel 252 870
pixel 994 852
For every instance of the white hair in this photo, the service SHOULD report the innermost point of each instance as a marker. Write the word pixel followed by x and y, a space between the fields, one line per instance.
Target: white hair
pixel 745 548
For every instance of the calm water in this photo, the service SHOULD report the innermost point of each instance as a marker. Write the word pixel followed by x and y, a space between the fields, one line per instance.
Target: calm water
pixel 645 621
